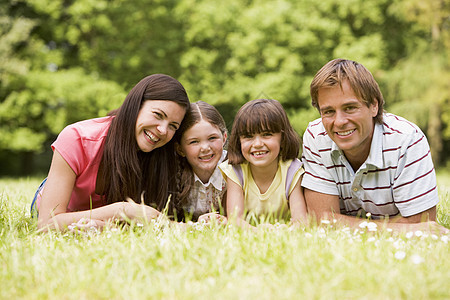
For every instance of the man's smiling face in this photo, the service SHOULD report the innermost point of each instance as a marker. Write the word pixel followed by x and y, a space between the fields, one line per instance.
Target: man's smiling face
pixel 347 120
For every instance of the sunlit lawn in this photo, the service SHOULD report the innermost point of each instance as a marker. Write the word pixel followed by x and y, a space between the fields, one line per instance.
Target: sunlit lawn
pixel 146 262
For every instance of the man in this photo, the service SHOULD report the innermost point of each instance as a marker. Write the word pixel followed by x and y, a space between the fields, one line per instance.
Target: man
pixel 359 159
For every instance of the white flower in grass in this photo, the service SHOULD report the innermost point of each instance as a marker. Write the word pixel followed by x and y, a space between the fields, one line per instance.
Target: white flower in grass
pixel 326 222
pixel 334 221
pixel 397 244
pixel 346 229
pixel 389 229
pixel 391 239
pixel 434 237
pixel 308 235
pixel 418 233
pixel 417 259
pixel 400 255
pixel 409 234
pixel 371 226
pixel 444 238
pixel 114 229
pixel 363 224
pixel 368 215
pixel 139 225
pixel 371 239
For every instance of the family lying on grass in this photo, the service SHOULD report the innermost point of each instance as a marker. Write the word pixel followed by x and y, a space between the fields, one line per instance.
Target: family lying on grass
pixel 158 152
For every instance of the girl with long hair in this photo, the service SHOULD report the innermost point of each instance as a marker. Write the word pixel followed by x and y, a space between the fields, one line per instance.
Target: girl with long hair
pixel 200 148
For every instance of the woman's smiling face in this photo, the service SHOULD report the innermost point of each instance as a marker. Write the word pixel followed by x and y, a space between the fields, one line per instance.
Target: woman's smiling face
pixel 157 122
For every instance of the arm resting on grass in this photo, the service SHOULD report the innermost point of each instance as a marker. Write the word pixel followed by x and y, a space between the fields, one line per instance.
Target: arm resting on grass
pixel 297 205
pixel 235 205
pixel 58 189
pixel 324 206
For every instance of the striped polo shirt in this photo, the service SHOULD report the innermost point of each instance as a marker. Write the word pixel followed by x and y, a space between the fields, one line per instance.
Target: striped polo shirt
pixel 397 178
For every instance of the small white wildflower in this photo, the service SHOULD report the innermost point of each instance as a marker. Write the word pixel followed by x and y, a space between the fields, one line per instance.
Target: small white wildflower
pixel 334 221
pixel 409 234
pixel 416 259
pixel 444 238
pixel 361 232
pixel 434 237
pixel 397 244
pixel 321 230
pixel 418 233
pixel 363 224
pixel 108 235
pixel 325 222
pixel 308 235
pixel 391 239
pixel 400 255
pixel 371 239
pixel 371 226
pixel 114 229
pixel 368 215
pixel 389 229
pixel 139 225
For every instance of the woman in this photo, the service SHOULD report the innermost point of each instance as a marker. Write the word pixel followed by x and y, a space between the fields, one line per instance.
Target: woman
pixel 99 163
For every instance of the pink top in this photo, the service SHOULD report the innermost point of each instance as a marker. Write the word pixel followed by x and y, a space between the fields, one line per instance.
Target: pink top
pixel 81 146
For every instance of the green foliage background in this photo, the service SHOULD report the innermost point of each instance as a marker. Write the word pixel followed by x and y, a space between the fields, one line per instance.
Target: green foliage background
pixel 64 60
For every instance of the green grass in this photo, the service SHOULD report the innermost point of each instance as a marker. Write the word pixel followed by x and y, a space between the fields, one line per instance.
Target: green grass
pixel 149 262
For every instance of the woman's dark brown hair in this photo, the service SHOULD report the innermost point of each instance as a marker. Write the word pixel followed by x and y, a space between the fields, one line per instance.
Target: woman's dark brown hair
pixel 262 115
pixel 185 176
pixel 129 172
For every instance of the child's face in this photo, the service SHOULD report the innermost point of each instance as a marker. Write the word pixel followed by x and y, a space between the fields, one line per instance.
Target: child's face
pixel 262 149
pixel 202 145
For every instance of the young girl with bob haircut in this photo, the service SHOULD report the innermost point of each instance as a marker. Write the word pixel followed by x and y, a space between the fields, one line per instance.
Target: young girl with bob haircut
pixel 263 171
pixel 199 143
pixel 100 163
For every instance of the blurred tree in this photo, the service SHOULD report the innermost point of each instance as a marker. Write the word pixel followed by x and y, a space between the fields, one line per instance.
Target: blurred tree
pixel 421 81
pixel 240 50
pixel 33 116
pixel 224 52
pixel 120 40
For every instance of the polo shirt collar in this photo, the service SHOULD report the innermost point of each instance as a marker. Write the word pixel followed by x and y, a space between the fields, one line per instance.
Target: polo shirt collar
pixel 376 148
pixel 216 178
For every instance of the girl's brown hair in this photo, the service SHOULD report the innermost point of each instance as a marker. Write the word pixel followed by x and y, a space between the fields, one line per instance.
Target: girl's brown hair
pixel 262 115
pixel 127 171
pixel 185 175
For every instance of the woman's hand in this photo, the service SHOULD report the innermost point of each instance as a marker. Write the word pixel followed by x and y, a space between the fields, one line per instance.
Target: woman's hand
pixel 131 210
pixel 85 225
